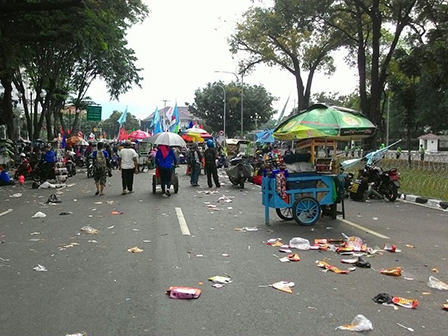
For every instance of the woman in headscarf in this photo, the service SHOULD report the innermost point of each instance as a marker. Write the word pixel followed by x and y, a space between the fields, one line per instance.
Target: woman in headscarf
pixel 164 161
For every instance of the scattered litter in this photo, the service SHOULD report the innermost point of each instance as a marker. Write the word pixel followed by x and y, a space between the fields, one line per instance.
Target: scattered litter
pixel 285 250
pixel 359 323
pixel 34 233
pixel 362 263
pixel 53 198
pixel 35 239
pixel 349 261
pixel 426 293
pixel 390 248
pixel 284 286
pixel 409 246
pixel 293 257
pixel 225 199
pixel 47 185
pixel 199 255
pixel 111 227
pixel 39 215
pixel 66 246
pixel 92 241
pixel 396 271
pixel 40 268
pixel 299 243
pixel 229 208
pixel 98 202
pixel 247 229
pixel 117 212
pixel 406 303
pixel 383 298
pixel 88 229
pixel 435 283
pixel 146 241
pixel 225 255
pixel 135 249
pixel 77 334
pixel 17 195
pixel 211 206
pixel 400 325
pixel 183 292
pixel 435 270
pixel 220 279
pixel 275 242
pixel 327 266
pixel 66 213
pixel 5 212
pixel 375 218
pixel 284 259
pixel 110 202
pixel 218 285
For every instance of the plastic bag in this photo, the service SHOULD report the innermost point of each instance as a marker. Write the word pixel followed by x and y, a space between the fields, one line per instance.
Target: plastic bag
pixel 90 230
pixel 40 268
pixel 299 243
pixel 435 283
pixel 39 214
pixel 53 198
pixel 383 298
pixel 359 323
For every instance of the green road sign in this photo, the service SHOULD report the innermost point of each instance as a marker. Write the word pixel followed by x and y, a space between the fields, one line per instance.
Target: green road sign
pixel 94 113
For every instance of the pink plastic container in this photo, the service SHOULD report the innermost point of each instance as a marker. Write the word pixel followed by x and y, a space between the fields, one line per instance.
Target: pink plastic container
pixel 183 292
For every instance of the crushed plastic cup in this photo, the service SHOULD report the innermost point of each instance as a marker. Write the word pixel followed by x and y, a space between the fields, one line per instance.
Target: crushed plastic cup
pixel 299 243
pixel 39 214
pixel 359 323
pixel 40 268
pixel 88 229
pixel 435 283
pixel 177 292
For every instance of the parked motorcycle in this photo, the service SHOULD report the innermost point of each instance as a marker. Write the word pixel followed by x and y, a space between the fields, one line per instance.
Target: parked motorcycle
pixel 239 171
pixel 24 168
pixel 80 161
pixel 221 161
pixel 384 183
pixel 90 167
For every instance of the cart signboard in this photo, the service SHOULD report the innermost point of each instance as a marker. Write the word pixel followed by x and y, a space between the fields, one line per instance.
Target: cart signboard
pixel 94 113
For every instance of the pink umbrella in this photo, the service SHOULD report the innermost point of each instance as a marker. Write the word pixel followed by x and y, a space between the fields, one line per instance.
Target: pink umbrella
pixel 139 135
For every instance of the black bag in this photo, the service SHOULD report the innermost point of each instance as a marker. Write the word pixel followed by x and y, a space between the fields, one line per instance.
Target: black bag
pixel 210 156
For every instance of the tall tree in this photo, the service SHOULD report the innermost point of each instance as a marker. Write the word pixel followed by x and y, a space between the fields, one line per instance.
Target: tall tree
pixel 208 106
pixel 286 36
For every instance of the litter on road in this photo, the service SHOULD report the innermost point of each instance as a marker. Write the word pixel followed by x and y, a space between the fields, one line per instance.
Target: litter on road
pixel 66 213
pixel 435 283
pixel 135 249
pixel 40 268
pixel 284 286
pixel 39 214
pixel 220 279
pixel 88 229
pixel 183 292
pixel 396 271
pixel 328 267
pixel 359 323
pixel 17 195
pixel 247 229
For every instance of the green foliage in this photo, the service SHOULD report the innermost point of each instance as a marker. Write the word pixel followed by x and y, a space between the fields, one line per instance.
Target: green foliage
pixel 111 127
pixel 208 106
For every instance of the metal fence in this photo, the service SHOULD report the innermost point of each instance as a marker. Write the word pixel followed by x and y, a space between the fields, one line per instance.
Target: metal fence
pixel 427 177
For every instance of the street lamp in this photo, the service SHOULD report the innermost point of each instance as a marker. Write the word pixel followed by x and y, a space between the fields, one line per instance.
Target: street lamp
pixel 224 101
pixel 242 95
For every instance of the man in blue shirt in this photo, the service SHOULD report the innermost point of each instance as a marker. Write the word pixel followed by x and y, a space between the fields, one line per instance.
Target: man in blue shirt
pixel 49 159
pixel 4 176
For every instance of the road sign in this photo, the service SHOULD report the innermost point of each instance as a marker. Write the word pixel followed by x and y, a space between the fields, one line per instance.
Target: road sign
pixel 94 113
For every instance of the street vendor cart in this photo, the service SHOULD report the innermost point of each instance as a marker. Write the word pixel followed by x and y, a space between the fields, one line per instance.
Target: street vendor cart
pixel 304 195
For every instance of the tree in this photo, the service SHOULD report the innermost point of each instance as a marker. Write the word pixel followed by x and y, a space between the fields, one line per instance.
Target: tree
pixel 208 106
pixel 111 127
pixel 285 35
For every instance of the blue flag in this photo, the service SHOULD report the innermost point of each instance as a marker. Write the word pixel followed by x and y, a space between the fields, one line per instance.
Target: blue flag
pixel 190 125
pixel 64 142
pixel 122 118
pixel 174 123
pixel 157 122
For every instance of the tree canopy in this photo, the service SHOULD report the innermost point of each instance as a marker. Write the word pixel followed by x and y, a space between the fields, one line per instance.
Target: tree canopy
pixel 111 128
pixel 208 106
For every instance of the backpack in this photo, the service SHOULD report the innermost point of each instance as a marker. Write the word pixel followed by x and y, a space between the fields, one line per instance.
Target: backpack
pixel 100 162
pixel 191 160
pixel 210 156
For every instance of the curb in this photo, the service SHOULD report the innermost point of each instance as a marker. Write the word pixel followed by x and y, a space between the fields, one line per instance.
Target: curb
pixel 423 200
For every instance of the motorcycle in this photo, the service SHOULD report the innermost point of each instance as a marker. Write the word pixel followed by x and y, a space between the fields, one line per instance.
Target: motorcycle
pixel 24 168
pixel 239 171
pixel 221 161
pixel 90 167
pixel 70 164
pixel 80 161
pixel 384 183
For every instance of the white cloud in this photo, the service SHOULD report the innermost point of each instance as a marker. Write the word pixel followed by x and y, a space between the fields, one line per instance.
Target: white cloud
pixel 181 45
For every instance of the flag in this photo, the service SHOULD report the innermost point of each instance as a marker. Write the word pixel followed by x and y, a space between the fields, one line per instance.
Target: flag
pixel 122 118
pixel 123 134
pixel 155 118
pixel 174 124
pixel 169 114
pixel 156 122
pixel 64 142
pixel 190 125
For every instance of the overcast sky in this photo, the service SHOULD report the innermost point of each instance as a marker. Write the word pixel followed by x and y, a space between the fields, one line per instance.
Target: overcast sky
pixel 181 45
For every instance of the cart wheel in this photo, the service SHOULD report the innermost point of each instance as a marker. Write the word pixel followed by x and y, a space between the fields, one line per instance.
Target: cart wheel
pixel 154 184
pixel 306 210
pixel 285 213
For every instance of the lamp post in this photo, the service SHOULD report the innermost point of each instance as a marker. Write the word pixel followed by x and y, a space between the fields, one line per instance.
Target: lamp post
pixel 224 101
pixel 242 95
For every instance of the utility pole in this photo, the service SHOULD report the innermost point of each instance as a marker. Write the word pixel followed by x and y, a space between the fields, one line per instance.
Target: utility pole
pixel 224 101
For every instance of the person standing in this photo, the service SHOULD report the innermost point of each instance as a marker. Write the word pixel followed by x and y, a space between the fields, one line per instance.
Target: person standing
pixel 422 153
pixel 194 161
pixel 165 158
pixel 398 152
pixel 49 158
pixel 210 156
pixel 128 166
pixel 101 162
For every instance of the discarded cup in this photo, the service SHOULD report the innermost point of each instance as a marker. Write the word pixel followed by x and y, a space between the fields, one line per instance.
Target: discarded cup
pixel 435 283
pixel 176 292
pixel 299 243
pixel 359 323
pixel 40 268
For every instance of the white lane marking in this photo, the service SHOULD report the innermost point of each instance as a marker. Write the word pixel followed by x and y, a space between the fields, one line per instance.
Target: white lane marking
pixel 182 222
pixel 5 212
pixel 363 228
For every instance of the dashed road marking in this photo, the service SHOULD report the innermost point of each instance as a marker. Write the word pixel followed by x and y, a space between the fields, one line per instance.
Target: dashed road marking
pixel 182 222
pixel 364 228
pixel 5 212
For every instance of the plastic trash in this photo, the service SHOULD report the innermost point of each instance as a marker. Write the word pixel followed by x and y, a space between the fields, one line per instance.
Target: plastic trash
pixel 293 257
pixel 77 334
pixel 176 292
pixel 396 271
pixel 135 249
pixel 53 198
pixel 275 242
pixel 299 243
pixel 220 279
pixel 327 266
pixel 406 303
pixel 40 268
pixel 285 250
pixel 354 243
pixel 284 286
pixel 435 283
pixel 66 213
pixel 17 195
pixel 383 298
pixel 359 323
pixel 403 326
pixel 362 263
pixel 117 212
pixel 247 229
pixel 21 180
pixel 39 214
pixel 88 229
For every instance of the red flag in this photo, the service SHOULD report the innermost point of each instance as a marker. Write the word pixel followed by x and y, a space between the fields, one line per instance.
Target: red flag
pixel 123 134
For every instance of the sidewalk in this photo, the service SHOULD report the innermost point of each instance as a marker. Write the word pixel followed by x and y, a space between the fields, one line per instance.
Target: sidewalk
pixel 434 203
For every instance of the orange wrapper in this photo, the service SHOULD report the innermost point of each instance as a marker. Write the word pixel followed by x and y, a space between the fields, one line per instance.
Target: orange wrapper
pixel 344 249
pixel 396 271
pixel 406 303
pixel 323 264
pixel 293 257
pixel 445 306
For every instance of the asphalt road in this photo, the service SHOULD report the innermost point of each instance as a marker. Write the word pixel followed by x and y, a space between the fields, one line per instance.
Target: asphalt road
pixel 99 288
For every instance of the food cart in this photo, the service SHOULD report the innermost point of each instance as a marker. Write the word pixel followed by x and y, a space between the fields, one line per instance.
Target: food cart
pixel 317 187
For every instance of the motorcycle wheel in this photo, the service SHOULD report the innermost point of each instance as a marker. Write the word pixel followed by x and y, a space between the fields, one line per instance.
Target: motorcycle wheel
pixel 392 192
pixel 89 174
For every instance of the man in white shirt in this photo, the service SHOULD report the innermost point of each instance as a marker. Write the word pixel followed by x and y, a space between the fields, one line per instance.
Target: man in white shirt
pixel 128 166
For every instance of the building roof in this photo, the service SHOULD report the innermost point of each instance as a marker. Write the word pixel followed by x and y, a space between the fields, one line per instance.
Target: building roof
pixel 431 136
pixel 184 114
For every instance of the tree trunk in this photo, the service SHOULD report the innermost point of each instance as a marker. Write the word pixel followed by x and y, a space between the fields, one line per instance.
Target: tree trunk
pixel 49 125
pixel 302 104
pixel 8 114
